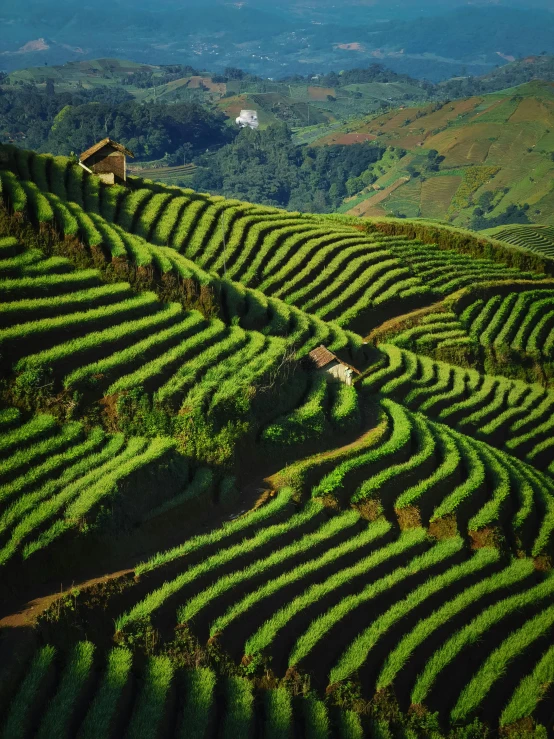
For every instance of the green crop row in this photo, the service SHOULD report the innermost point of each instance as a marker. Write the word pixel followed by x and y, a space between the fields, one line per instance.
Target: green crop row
pixel 52 478
pixel 396 445
pixel 473 631
pixel 530 691
pixel 398 658
pixel 497 662
pixel 496 409
pixel 154 600
pixel 149 710
pixel 278 722
pixel 312 567
pixel 35 518
pixel 26 310
pixel 18 720
pixel 199 705
pixel 29 489
pixel 28 458
pixel 144 701
pixel 359 650
pixel 118 247
pixel 145 355
pixel 58 719
pixel 345 410
pixel 321 537
pixel 320 258
pixel 101 714
pixel 306 422
pixel 255 519
pixel 267 634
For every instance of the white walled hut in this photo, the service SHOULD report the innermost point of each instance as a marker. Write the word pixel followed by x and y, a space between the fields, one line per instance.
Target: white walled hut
pixel 323 361
pixel 248 118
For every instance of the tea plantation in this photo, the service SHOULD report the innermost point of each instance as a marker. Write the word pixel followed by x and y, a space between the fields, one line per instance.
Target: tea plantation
pixel 202 536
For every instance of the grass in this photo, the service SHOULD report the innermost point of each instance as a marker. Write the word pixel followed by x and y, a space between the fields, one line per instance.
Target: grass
pixel 399 656
pixel 472 632
pixel 497 662
pixel 104 706
pixel 148 712
pixel 332 555
pixel 530 691
pixel 263 638
pixel 356 654
pixel 155 599
pixel 61 709
pixel 20 715
pixel 239 713
pixel 278 722
pixel 335 526
pixel 199 703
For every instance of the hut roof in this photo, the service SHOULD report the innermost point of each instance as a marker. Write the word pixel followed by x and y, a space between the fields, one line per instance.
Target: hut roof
pixel 100 145
pixel 322 357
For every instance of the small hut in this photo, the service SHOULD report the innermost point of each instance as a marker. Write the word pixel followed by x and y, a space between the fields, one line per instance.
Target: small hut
pixel 108 160
pixel 325 362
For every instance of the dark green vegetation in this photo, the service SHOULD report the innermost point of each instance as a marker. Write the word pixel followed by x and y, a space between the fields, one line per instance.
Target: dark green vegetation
pixel 267 167
pixel 65 122
pixel 287 556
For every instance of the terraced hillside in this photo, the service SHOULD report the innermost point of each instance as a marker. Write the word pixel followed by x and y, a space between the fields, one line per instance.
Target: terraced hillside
pixel 494 154
pixel 537 238
pixel 244 547
pixel 323 267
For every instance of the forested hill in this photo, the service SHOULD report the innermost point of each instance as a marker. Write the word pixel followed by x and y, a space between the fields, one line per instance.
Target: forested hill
pixel 483 160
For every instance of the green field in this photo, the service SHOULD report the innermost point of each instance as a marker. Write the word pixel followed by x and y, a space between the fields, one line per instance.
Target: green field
pixel 203 536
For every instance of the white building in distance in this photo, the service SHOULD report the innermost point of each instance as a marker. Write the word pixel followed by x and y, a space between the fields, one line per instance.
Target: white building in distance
pixel 248 118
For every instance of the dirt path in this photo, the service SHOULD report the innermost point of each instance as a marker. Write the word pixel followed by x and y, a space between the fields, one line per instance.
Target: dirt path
pixel 31 609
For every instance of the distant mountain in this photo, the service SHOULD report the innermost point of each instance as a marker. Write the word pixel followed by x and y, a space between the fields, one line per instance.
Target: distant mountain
pixel 424 39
